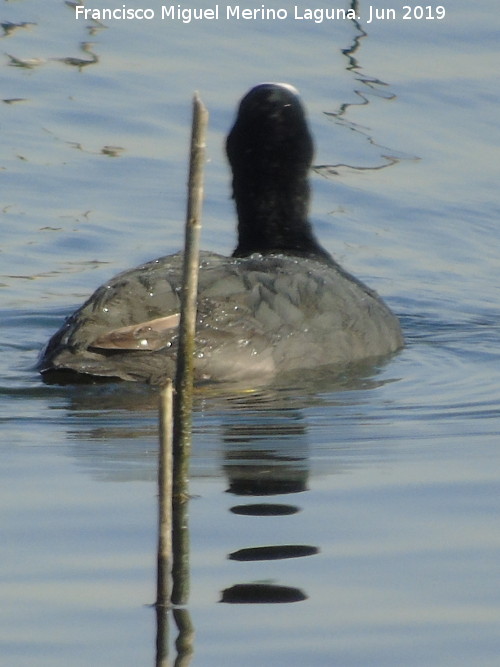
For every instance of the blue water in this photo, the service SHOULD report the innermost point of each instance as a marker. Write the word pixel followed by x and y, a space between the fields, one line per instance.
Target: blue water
pixel 391 474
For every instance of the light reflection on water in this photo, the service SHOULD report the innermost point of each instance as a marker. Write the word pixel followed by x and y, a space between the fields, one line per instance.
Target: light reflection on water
pixel 383 483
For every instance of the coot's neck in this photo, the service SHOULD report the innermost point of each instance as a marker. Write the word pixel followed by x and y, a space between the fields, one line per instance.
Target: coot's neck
pixel 270 151
pixel 273 214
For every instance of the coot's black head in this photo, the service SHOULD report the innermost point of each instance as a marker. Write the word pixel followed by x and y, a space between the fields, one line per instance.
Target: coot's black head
pixel 270 150
pixel 270 134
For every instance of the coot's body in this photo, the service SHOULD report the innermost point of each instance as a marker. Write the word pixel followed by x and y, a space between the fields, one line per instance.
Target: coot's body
pixel 280 303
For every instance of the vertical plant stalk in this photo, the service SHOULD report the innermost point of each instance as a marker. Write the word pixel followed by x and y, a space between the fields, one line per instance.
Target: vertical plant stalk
pixel 165 491
pixel 164 559
pixel 185 359
pixel 187 324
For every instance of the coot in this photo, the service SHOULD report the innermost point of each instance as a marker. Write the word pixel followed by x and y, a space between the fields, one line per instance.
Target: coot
pixel 279 303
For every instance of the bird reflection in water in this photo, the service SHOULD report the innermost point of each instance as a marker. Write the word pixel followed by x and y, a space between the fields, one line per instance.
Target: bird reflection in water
pixel 266 456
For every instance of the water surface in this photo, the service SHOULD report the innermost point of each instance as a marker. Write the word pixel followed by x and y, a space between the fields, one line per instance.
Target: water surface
pixel 384 483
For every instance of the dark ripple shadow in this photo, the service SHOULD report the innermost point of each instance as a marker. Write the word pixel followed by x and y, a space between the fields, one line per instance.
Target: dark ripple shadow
pixel 261 594
pixel 264 509
pixel 274 552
